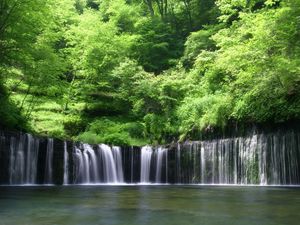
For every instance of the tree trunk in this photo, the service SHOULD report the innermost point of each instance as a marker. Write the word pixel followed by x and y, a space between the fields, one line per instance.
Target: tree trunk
pixel 150 6
pixel 187 5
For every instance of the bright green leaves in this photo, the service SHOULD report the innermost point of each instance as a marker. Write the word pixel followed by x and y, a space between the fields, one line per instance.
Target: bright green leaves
pixel 271 2
pixel 230 9
pixel 156 99
pixel 96 47
pixel 124 16
pixel 28 34
pixel 119 72
pixel 251 74
pixel 196 43
pixel 199 113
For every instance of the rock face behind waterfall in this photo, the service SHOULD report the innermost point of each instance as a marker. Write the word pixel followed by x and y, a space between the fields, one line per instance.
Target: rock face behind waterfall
pixel 264 158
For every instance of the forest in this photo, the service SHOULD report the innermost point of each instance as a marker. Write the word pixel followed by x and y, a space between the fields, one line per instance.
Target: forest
pixel 136 72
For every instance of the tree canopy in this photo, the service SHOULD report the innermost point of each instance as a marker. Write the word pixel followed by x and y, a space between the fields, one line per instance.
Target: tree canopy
pixel 147 71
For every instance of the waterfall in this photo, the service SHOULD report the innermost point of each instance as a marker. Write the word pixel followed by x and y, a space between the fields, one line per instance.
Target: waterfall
pixel 86 165
pixel 66 164
pixel 78 166
pixel 33 149
pixel 118 162
pixel 23 159
pixel 261 159
pixel 161 153
pixel 103 165
pixel 178 166
pixel 131 164
pixel 156 160
pixel 49 162
pixel 146 154
pixel 109 165
pixel 257 159
pixel 12 160
pixel 91 164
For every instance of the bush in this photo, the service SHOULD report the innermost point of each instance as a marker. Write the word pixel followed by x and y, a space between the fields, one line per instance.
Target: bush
pixel 114 131
pixel 73 125
pixel 135 129
pixel 90 137
pixel 9 113
pixel 120 139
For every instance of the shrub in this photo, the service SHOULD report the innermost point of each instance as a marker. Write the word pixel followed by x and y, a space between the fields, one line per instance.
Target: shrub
pixel 73 125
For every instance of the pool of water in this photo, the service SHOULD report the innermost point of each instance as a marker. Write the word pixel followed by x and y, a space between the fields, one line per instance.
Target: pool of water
pixel 145 205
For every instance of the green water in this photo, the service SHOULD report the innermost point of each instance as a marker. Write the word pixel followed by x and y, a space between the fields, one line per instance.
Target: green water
pixel 155 205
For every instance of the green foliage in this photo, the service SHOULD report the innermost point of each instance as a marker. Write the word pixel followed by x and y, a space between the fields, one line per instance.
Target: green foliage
pixel 10 115
pixel 197 42
pixel 73 125
pixel 253 72
pixel 202 112
pixel 135 72
pixel 116 131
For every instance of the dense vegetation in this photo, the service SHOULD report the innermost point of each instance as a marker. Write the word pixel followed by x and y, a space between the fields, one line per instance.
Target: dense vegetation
pixel 147 71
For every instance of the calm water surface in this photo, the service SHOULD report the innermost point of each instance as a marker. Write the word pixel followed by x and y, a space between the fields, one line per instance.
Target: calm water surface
pixel 155 205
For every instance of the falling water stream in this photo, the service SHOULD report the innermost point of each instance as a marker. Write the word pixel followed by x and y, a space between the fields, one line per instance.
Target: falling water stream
pixel 66 164
pixel 49 162
pixel 261 159
pixel 146 155
pixel 23 159
pixel 100 165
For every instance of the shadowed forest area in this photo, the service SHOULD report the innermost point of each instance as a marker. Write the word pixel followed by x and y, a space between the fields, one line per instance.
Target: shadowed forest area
pixel 135 72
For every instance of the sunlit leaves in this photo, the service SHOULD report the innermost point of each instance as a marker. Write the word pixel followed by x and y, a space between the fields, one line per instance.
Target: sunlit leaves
pixel 251 76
